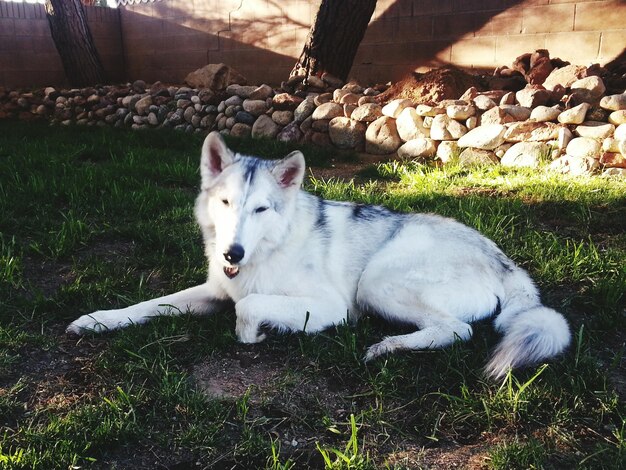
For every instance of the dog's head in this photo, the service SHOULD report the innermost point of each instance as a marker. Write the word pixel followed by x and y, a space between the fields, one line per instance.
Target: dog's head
pixel 244 201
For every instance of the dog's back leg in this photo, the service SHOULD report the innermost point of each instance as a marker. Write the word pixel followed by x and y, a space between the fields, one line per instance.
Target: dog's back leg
pixel 199 299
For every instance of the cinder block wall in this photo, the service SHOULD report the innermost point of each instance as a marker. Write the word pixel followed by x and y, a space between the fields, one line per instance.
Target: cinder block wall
pixel 166 39
pixel 28 57
pixel 409 34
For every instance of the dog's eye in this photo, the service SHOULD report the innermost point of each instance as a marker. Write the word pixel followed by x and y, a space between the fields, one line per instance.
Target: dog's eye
pixel 225 202
pixel 258 210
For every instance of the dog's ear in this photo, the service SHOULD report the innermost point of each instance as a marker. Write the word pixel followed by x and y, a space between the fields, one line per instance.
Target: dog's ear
pixel 289 172
pixel 215 157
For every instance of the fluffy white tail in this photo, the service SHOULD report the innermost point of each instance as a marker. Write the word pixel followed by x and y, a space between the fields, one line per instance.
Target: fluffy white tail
pixel 532 332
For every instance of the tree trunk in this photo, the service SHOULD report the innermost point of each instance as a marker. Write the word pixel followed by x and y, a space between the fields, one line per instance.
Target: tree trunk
pixel 73 40
pixel 334 38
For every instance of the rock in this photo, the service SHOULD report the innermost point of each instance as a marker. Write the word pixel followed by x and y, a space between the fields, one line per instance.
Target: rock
pixel 545 114
pixel 575 115
pixel 255 107
pixel 471 157
pixel 240 129
pixel 306 125
pixel 507 99
pixel 282 117
pixel 331 80
pixel 366 99
pixel 526 154
pixel 614 102
pixel 338 95
pixel 595 129
pixel 367 112
pixel 445 128
pixel 321 125
pixel 188 114
pixel 214 76
pixel 315 82
pixel 564 137
pixel 592 87
pixel 565 76
pixel 323 98
pixel 614 172
pixel 265 127
pixel 153 120
pixel 532 96
pixel 348 109
pixel 395 107
pixel 486 137
pixel 460 112
pixel 245 117
pixel 471 123
pixel 483 102
pixel 584 147
pixel 286 102
pixel 575 166
pixel 531 131
pixel 304 110
pixel 139 86
pixel 349 98
pixel 612 145
pixel 447 151
pixel 614 160
pixel 427 110
pixel 233 101
pixel 261 92
pixel 243 91
pixel 290 133
pixel 620 132
pixel 346 133
pixel 382 136
pixel 320 139
pixel 501 150
pixel 410 125
pixel 495 116
pixel 417 148
pixel 518 113
pixel 617 117
pixel 328 110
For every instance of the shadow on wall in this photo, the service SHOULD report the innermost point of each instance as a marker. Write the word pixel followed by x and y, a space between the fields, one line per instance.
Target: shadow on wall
pixel 165 41
pixel 263 39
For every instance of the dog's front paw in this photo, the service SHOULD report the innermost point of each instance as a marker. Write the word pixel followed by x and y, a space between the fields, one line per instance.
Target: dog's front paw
pixel 247 330
pixel 247 326
pixel 96 322
pixel 386 346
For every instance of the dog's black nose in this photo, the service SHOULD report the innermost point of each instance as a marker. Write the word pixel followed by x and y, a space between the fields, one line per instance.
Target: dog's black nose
pixel 235 253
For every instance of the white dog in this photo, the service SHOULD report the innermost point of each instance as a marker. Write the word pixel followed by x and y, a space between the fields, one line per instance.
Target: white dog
pixel 294 262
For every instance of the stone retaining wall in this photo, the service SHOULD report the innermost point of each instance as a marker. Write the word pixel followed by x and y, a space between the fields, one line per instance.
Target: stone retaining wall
pixel 568 121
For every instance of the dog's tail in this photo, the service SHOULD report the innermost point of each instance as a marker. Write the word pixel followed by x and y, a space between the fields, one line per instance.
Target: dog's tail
pixel 532 331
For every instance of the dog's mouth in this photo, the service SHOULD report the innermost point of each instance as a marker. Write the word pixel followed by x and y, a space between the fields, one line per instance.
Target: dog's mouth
pixel 231 271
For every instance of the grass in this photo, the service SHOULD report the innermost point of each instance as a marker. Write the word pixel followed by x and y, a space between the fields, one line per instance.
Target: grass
pixel 98 218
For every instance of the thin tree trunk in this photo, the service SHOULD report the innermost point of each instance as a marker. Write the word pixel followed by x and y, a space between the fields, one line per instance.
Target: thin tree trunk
pixel 73 40
pixel 334 38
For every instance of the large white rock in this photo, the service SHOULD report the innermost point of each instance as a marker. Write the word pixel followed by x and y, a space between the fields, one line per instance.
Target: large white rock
pixel 618 117
pixel 595 129
pixel 584 147
pixel 575 115
pixel 447 150
pixel 328 110
pixel 531 131
pixel 575 166
pixel 382 136
pixel 417 148
pixel 526 154
pixel 614 102
pixel 445 128
pixel 460 111
pixel 367 112
pixel 545 114
pixel 486 137
pixel 346 133
pixel 395 107
pixel 620 132
pixel 410 125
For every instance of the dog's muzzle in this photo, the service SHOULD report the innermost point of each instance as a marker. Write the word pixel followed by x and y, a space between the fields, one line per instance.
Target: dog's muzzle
pixel 234 254
pixel 231 271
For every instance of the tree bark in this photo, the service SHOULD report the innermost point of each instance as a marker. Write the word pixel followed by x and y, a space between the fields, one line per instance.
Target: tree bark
pixel 334 38
pixel 73 40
